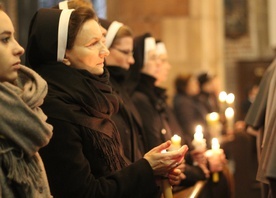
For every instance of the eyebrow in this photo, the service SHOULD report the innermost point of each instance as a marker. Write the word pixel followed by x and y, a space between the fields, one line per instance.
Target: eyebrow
pixel 6 32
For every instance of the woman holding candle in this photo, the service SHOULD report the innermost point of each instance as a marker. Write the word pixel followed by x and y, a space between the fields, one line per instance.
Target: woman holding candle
pixel 191 115
pixel 119 41
pixel 84 158
pixel 158 118
pixel 188 110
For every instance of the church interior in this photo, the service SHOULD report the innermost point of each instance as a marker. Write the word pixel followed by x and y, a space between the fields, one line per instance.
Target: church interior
pixel 234 40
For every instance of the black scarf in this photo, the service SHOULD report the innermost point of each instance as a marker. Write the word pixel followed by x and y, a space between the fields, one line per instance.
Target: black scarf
pixel 146 85
pixel 84 99
pixel 118 73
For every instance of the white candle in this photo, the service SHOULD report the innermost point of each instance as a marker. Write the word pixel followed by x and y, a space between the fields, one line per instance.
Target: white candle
pixel 222 101
pixel 215 144
pixel 214 125
pixel 229 114
pixel 176 142
pixel 230 99
pixel 212 118
pixel 222 96
pixel 199 142
pixel 215 153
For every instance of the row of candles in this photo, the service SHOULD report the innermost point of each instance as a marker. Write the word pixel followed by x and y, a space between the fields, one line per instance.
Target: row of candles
pixel 215 126
pixel 227 108
pixel 199 144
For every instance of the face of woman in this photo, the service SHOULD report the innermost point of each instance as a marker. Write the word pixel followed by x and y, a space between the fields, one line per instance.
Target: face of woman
pixel 10 50
pixel 164 69
pixel 193 88
pixel 88 51
pixel 152 65
pixel 121 53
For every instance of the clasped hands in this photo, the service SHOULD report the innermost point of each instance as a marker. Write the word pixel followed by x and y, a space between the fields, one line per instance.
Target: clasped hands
pixel 168 164
pixel 215 162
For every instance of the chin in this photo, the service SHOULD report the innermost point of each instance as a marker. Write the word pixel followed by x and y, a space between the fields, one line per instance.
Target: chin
pixel 97 72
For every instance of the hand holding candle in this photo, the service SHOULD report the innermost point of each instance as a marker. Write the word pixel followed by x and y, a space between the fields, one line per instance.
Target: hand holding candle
pixel 214 157
pixel 199 144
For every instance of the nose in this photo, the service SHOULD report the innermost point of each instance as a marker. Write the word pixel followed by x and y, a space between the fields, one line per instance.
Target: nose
pixel 104 52
pixel 158 62
pixel 131 60
pixel 18 49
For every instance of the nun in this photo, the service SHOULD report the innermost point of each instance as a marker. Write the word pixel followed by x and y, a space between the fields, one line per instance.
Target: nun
pixel 84 158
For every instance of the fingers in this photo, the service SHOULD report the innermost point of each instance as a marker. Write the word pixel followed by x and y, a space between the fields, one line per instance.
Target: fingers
pixel 175 177
pixel 163 146
pixel 179 153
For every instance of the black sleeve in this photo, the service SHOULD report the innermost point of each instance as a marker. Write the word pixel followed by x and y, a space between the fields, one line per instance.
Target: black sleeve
pixel 193 174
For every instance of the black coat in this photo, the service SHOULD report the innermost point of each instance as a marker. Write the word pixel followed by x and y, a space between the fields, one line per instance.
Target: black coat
pixel 190 113
pixel 158 117
pixel 127 119
pixel 83 159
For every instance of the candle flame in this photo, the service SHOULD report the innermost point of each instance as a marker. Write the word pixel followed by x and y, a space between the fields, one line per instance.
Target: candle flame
pixel 215 144
pixel 222 96
pixel 229 112
pixel 230 98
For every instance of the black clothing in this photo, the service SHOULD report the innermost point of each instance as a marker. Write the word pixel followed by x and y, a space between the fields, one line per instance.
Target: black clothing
pixel 152 111
pixel 160 123
pixel 84 158
pixel 209 101
pixel 190 113
pixel 127 119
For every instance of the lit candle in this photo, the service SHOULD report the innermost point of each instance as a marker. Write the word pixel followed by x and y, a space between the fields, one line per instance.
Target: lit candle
pixel 176 142
pixel 229 114
pixel 212 118
pixel 199 142
pixel 214 125
pixel 222 96
pixel 222 100
pixel 230 99
pixel 215 144
pixel 215 153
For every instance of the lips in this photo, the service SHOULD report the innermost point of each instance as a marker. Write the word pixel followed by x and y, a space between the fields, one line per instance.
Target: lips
pixel 16 65
pixel 100 63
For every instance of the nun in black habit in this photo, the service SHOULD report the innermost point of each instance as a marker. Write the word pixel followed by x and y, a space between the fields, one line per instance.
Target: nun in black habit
pixel 84 157
pixel 119 41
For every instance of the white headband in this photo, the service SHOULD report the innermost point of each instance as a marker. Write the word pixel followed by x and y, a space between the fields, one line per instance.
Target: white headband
pixel 63 5
pixel 111 32
pixel 160 48
pixel 150 44
pixel 63 33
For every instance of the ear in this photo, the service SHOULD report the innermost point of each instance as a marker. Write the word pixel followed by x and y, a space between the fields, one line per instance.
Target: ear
pixel 66 61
